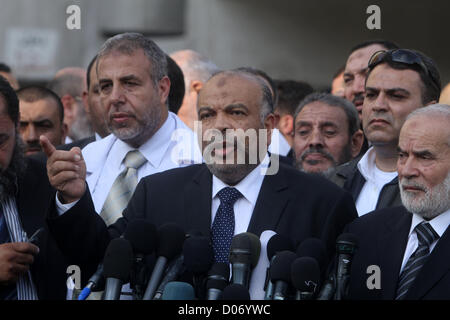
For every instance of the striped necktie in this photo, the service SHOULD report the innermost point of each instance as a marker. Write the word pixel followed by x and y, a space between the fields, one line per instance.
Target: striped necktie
pixel 426 236
pixel 122 188
pixel 223 226
pixel 8 292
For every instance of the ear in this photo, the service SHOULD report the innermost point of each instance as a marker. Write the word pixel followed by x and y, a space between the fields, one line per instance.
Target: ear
pixel 196 86
pixel 164 89
pixel 64 132
pixel 286 125
pixel 269 124
pixel 69 108
pixel 84 97
pixel 356 143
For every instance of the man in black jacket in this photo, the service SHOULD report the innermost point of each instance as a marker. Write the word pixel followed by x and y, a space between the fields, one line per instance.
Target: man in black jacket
pixel 27 271
pixel 404 251
pixel 398 82
pixel 196 197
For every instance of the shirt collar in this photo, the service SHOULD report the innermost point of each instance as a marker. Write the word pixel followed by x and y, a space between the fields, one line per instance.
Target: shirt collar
pixel 439 223
pixel 367 165
pixel 249 186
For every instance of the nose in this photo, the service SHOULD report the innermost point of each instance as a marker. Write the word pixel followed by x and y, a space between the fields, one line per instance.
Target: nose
pixel 316 138
pixel 407 168
pixel 117 95
pixel 380 104
pixel 358 85
pixel 222 122
pixel 30 134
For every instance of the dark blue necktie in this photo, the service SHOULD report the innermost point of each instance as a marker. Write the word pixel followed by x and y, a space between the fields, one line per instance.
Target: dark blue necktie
pixel 8 292
pixel 426 236
pixel 223 225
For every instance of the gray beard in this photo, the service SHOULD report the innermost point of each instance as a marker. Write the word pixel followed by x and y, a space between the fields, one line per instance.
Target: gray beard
pixel 10 176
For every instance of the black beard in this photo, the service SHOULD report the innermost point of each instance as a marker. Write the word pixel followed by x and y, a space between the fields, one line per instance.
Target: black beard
pixel 10 176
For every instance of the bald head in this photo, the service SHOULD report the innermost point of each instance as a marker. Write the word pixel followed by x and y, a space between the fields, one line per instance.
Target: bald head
pixel 445 95
pixel 71 81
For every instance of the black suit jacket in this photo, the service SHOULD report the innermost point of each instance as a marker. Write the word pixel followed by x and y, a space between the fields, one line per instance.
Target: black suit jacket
pixel 291 203
pixel 33 198
pixel 383 236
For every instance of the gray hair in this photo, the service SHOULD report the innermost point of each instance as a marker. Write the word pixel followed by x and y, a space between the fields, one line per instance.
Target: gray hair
pixel 437 110
pixel 333 101
pixel 71 84
pixel 195 66
pixel 128 43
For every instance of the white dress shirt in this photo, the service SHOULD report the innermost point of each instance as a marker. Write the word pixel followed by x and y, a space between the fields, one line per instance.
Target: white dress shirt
pixel 439 224
pixel 279 144
pixel 172 146
pixel 375 181
pixel 243 207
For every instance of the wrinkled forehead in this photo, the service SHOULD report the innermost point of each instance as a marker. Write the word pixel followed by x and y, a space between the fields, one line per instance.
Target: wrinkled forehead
pixel 359 59
pixel 231 87
pixel 426 131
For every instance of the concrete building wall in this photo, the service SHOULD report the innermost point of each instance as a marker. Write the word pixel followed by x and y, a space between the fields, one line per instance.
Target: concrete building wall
pixel 296 39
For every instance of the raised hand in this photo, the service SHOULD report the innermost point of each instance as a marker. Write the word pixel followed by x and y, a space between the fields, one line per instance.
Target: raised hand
pixel 66 171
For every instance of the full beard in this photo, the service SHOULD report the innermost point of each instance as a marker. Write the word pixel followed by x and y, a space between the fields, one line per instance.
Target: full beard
pixel 10 176
pixel 434 201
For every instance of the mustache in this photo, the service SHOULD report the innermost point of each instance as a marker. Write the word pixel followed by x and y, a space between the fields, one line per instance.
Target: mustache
pixel 32 145
pixel 405 183
pixel 359 97
pixel 312 150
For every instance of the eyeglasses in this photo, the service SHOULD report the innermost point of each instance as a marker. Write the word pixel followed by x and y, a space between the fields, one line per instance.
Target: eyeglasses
pixel 404 56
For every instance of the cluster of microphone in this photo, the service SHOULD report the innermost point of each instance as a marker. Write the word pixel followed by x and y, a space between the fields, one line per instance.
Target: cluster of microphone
pixel 165 263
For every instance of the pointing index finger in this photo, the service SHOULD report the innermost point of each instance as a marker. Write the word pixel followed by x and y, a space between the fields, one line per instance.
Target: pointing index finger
pixel 47 146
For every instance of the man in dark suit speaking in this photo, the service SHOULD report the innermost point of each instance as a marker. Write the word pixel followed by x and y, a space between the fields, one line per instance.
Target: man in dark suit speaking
pixel 408 247
pixel 233 192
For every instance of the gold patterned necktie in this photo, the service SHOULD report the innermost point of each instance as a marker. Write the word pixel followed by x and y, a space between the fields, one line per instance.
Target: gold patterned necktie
pixel 122 188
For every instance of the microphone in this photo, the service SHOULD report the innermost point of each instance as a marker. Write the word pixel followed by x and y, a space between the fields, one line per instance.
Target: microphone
pixel 235 291
pixel 346 245
pixel 176 290
pixel 258 277
pixel 96 283
pixel 244 254
pixel 116 266
pixel 217 280
pixel 198 258
pixel 276 244
pixel 280 273
pixel 142 236
pixel 170 242
pixel 314 248
pixel 305 276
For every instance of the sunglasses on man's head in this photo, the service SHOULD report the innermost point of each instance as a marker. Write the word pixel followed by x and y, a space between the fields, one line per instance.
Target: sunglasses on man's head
pixel 404 56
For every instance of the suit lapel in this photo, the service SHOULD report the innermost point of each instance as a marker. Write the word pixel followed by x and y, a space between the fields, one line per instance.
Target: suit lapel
pixel 197 200
pixel 270 203
pixel 436 266
pixel 392 244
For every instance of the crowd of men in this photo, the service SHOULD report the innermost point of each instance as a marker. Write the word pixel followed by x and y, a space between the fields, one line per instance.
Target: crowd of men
pixel 145 135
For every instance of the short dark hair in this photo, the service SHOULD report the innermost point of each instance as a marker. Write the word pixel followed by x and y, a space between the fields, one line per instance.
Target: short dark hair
pixel 10 97
pixel 333 101
pixel 177 86
pixel 290 93
pixel 431 80
pixel 5 68
pixel 388 45
pixel 36 93
pixel 89 68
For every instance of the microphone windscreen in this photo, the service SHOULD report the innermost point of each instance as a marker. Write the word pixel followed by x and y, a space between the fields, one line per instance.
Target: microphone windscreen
pixel 278 243
pixel 170 241
pixel 176 290
pixel 346 243
pixel 314 248
pixel 235 292
pixel 305 274
pixel 142 236
pixel 218 276
pixel 280 268
pixel 118 260
pixel 245 248
pixel 198 254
